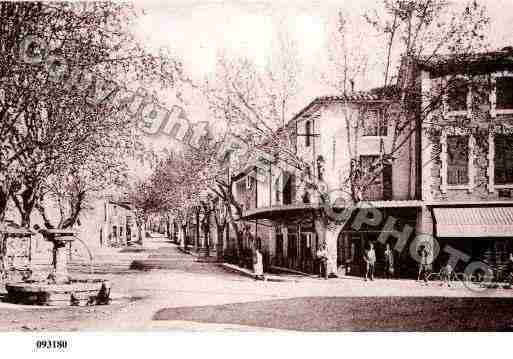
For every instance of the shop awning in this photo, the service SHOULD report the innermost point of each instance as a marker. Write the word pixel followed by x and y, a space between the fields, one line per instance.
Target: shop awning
pixel 290 211
pixel 474 222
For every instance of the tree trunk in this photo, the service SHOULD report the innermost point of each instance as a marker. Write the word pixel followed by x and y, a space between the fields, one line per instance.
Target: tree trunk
pixel 26 202
pixel 168 229
pixel 25 219
pixel 238 234
pixel 220 243
pixel 2 256
pixel 143 234
pixel 197 241
pixel 5 190
pixel 25 209
pixel 141 228
pixel 238 239
pixel 4 197
pixel 180 236
pixel 327 233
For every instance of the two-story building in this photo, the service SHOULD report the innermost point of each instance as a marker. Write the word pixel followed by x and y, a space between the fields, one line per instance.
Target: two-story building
pixel 467 154
pixel 333 135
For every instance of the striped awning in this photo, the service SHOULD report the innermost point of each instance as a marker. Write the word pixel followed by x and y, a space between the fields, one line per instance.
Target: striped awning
pixel 474 222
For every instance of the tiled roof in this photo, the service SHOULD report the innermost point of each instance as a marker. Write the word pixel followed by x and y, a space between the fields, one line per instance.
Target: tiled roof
pixel 373 95
pixel 478 62
pixel 356 96
pixel 124 204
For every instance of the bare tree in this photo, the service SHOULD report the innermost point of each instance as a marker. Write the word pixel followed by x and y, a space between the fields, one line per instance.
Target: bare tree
pixel 348 60
pixel 433 34
pixel 72 190
pixel 253 104
pixel 59 100
pixel 176 185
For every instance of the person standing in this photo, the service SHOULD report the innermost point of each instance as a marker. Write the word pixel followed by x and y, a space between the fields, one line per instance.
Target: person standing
pixel 425 264
pixel 369 256
pixel 258 265
pixel 389 262
pixel 322 257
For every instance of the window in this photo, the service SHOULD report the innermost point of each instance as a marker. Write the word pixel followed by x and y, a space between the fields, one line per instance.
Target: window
pixel 503 159
pixel 371 178
pixel 457 91
pixel 320 167
pixel 457 160
pixel 308 171
pixel 308 133
pixel 288 188
pixel 369 163
pixel 374 124
pixel 277 191
pixel 379 174
pixel 306 197
pixel 504 91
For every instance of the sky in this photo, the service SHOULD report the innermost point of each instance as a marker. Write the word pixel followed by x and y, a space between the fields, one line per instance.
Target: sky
pixel 198 31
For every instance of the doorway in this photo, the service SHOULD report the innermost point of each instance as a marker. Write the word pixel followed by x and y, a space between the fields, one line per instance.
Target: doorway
pixel 306 257
pixel 350 246
pixel 279 249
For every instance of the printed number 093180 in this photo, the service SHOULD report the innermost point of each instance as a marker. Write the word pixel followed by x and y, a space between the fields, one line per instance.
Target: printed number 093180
pixel 51 344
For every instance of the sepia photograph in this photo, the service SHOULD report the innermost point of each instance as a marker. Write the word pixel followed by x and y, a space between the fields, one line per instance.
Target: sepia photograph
pixel 255 166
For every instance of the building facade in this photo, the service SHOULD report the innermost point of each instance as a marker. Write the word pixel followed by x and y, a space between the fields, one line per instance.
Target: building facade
pixel 445 175
pixel 467 156
pixel 332 135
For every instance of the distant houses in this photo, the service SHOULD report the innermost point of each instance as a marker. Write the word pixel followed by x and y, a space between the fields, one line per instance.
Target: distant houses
pixel 118 227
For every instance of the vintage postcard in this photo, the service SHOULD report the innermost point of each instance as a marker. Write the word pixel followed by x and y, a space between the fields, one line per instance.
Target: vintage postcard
pixel 255 166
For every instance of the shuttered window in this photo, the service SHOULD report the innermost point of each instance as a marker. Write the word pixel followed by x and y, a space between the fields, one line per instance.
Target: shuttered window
pixel 374 123
pixel 504 92
pixel 457 160
pixel 503 159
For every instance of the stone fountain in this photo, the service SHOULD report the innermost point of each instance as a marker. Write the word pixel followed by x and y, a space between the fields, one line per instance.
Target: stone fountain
pixel 59 289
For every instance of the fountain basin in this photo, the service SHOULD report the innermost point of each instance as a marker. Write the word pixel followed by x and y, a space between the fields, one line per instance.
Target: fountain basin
pixel 76 292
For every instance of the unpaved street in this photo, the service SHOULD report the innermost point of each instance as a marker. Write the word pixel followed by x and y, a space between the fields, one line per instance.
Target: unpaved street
pixel 192 295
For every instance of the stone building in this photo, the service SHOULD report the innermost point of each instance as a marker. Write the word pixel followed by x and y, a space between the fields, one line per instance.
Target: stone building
pixel 467 155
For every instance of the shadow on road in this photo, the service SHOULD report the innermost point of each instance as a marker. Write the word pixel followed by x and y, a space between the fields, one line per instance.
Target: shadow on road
pixel 357 314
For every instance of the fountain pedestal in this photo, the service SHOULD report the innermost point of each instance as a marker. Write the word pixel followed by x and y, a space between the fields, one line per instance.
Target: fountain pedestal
pixel 60 239
pixel 59 289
